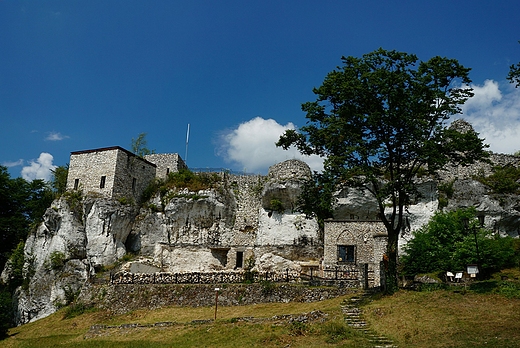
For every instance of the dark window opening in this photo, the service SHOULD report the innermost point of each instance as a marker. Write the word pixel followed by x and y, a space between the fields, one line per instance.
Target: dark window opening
pixel 220 255
pixel 102 183
pixel 76 184
pixel 346 253
pixel 134 182
pixel 167 171
pixel 240 259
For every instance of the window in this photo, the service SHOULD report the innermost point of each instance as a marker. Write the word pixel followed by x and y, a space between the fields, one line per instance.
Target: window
pixel 102 182
pixel 346 253
pixel 167 171
pixel 240 259
pixel 76 184
pixel 134 182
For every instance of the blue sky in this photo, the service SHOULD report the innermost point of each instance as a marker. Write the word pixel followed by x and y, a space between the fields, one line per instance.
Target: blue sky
pixel 78 75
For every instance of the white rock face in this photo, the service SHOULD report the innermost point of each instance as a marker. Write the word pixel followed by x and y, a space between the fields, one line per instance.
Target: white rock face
pixel 61 255
pixel 274 263
pixel 282 229
pixel 107 225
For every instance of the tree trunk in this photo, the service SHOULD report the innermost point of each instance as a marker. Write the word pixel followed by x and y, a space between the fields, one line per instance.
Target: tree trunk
pixel 390 263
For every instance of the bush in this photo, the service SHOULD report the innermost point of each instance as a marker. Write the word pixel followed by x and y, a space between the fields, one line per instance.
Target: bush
pixel 445 244
pixel 503 180
pixel 276 205
pixel 17 261
pixel 57 260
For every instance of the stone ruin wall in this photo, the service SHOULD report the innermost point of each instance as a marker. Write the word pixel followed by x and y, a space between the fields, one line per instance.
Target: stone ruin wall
pixel 166 163
pixel 290 169
pixel 451 172
pixel 130 168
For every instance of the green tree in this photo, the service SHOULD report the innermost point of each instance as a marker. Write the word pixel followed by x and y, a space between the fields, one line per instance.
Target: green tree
pixel 59 179
pixel 316 198
pixel 139 146
pixel 6 310
pixel 22 204
pixel 514 73
pixel 380 119
pixel 449 242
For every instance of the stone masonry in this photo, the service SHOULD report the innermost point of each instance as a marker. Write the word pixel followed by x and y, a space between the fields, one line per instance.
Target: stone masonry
pixel 166 163
pixel 112 172
pixel 369 239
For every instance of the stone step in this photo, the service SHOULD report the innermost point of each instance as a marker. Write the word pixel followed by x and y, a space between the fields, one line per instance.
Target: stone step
pixel 354 318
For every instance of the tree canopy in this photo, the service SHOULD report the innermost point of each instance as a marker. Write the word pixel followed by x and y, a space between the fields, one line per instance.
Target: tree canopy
pixel 447 244
pixel 22 205
pixel 139 146
pixel 514 73
pixel 381 118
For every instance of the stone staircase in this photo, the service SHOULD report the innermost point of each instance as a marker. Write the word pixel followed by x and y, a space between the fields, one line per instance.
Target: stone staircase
pixel 354 318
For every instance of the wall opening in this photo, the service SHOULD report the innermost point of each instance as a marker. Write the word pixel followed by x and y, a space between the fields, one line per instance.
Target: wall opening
pixel 76 184
pixel 240 259
pixel 102 182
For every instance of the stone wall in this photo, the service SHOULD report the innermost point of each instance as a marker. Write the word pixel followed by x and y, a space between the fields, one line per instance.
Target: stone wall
pixel 133 175
pixel 368 237
pixel 290 169
pixel 123 298
pixel 166 163
pixel 451 172
pixel 216 277
pixel 125 174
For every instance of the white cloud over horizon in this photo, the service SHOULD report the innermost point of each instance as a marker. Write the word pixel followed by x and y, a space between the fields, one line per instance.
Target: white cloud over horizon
pixel 494 112
pixel 40 168
pixel 252 145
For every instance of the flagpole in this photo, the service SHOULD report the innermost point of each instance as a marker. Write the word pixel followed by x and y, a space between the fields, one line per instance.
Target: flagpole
pixel 187 140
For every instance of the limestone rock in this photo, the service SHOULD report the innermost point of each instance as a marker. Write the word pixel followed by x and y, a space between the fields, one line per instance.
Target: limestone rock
pixel 273 263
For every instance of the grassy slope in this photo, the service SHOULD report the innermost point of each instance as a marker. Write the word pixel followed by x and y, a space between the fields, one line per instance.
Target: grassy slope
pixel 412 319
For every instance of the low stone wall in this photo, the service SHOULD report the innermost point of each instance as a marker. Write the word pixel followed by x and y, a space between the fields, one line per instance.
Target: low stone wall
pixel 217 277
pixel 123 298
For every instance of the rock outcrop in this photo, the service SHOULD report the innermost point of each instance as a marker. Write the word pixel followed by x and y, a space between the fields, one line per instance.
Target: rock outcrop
pixel 221 228
pixel 241 222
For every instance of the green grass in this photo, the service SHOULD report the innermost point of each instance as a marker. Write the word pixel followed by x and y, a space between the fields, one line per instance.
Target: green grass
pixel 476 316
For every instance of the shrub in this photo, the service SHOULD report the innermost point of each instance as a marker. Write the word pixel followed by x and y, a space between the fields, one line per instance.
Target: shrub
pixel 57 260
pixel 276 205
pixel 445 244
pixel 503 180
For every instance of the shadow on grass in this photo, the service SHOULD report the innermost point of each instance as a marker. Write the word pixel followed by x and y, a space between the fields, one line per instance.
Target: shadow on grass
pixel 484 287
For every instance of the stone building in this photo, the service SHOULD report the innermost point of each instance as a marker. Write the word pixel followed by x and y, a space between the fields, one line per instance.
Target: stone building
pixel 166 163
pixel 114 172
pixel 349 245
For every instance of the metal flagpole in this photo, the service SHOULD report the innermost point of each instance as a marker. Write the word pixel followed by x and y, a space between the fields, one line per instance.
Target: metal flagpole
pixel 187 140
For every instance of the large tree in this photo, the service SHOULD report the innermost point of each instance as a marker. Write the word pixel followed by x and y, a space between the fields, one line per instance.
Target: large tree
pixel 514 73
pixel 381 118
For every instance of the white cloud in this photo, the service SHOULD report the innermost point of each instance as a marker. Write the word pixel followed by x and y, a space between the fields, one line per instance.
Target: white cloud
pixel 13 164
pixel 252 146
pixel 39 169
pixel 55 136
pixel 494 112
